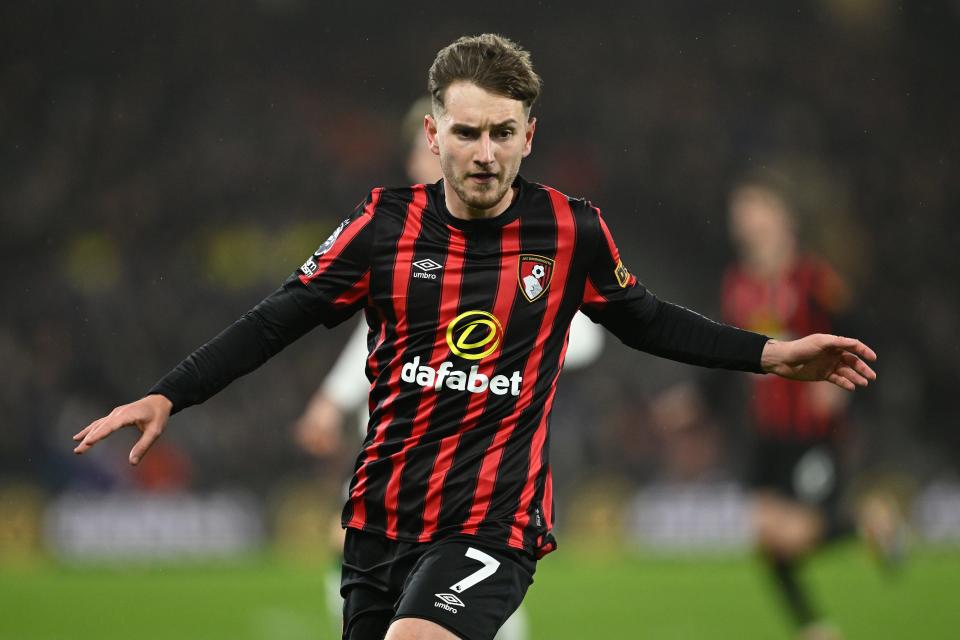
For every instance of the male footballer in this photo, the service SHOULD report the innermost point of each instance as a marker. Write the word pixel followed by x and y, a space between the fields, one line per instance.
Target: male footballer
pixel 450 506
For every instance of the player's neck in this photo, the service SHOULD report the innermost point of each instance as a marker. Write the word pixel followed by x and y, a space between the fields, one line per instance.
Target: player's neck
pixel 771 265
pixel 460 209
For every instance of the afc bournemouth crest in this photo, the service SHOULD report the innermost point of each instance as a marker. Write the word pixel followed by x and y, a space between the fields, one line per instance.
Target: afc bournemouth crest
pixel 534 275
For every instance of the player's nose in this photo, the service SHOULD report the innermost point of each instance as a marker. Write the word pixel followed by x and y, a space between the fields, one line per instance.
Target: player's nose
pixel 485 149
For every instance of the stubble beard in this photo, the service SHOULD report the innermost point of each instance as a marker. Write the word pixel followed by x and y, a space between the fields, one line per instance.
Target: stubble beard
pixel 483 196
pixel 480 197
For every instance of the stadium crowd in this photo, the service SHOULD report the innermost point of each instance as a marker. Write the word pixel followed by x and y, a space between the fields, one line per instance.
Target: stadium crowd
pixel 164 168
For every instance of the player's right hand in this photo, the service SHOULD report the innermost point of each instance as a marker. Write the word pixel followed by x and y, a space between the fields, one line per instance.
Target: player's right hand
pixel 149 415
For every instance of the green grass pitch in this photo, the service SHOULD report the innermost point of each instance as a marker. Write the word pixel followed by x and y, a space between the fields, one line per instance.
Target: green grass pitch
pixel 576 595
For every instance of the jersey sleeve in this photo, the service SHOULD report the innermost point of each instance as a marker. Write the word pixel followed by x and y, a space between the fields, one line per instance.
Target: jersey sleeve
pixel 326 290
pixel 615 298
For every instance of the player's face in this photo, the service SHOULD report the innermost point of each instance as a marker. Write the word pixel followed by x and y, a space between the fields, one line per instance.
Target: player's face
pixel 481 138
pixel 760 225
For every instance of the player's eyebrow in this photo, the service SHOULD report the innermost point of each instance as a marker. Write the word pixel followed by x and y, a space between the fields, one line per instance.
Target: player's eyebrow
pixel 460 127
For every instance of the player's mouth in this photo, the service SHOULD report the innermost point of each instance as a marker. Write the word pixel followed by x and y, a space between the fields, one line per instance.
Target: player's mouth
pixel 482 178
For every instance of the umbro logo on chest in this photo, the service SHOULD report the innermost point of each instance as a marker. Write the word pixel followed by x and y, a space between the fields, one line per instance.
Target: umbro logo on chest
pixel 426 269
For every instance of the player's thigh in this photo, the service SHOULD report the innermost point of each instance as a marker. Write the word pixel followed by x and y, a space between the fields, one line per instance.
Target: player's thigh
pixel 466 589
pixel 785 526
pixel 418 629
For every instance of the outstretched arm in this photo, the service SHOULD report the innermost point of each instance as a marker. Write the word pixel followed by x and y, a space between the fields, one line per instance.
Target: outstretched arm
pixel 242 347
pixel 614 298
pixel 330 287
pixel 821 357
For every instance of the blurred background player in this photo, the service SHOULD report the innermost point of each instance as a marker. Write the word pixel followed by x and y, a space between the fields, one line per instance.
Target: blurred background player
pixel 794 466
pixel 343 392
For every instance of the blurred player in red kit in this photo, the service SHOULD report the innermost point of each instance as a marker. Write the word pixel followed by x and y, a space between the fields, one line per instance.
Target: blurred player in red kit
pixel 777 289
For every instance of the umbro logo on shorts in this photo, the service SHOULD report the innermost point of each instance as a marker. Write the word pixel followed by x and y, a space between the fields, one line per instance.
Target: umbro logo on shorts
pixel 451 599
pixel 450 602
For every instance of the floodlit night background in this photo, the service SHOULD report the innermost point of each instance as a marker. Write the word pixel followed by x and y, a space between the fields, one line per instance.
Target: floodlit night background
pixel 165 165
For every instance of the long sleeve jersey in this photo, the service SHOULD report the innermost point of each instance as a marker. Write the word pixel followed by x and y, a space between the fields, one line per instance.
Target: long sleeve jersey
pixel 469 322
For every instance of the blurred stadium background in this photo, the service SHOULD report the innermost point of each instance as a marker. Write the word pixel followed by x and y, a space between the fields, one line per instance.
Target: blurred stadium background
pixel 166 164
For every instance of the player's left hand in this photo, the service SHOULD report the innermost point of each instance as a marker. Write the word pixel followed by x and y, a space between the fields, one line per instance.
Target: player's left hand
pixel 821 357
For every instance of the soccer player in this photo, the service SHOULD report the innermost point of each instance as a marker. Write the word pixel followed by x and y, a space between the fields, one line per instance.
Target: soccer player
pixel 343 391
pixel 794 467
pixel 451 503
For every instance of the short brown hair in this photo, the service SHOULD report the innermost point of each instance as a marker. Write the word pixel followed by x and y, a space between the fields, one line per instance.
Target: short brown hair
pixel 489 61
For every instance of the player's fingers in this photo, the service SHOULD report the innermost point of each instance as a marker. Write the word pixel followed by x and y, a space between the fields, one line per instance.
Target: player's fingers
pixel 855 346
pixel 83 432
pixel 859 366
pixel 143 445
pixel 107 426
pixel 83 445
pixel 840 381
pixel 852 376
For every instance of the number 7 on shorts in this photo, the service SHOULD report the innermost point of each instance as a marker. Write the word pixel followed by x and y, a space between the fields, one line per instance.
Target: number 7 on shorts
pixel 490 566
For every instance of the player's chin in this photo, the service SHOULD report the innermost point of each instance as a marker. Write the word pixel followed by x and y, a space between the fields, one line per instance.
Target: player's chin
pixel 483 199
pixel 486 195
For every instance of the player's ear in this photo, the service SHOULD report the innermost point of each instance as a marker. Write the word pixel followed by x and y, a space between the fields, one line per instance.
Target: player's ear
pixel 528 137
pixel 430 129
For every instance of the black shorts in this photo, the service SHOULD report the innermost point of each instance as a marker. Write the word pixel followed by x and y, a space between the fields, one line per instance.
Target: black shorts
pixel 808 472
pixel 468 588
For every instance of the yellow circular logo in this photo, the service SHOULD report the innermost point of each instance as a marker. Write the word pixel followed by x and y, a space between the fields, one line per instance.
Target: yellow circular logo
pixel 474 335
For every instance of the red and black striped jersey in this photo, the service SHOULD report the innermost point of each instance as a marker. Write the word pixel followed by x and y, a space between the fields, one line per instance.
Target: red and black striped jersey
pixel 801 300
pixel 469 322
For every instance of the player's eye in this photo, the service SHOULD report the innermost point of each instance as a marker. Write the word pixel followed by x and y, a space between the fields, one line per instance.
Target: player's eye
pixel 465 134
pixel 504 134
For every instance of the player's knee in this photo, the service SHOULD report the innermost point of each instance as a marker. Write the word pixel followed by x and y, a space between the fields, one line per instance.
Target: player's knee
pixel 767 526
pixel 790 538
pixel 786 531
